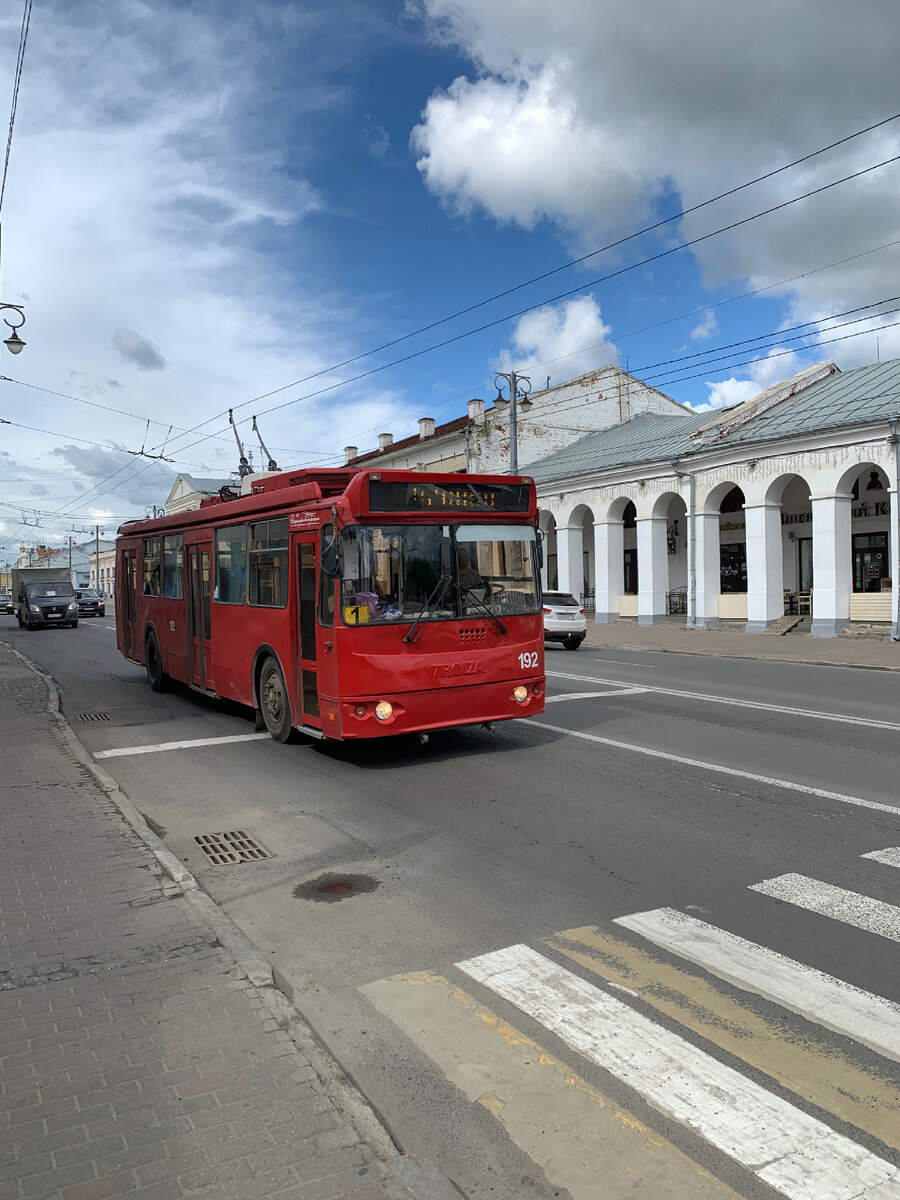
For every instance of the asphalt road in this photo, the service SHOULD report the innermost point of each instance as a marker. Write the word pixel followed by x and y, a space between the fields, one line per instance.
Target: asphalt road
pixel 580 1048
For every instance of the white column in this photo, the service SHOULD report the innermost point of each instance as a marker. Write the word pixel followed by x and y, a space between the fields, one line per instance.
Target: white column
pixel 707 570
pixel 608 569
pixel 568 558
pixel 832 570
pixel 653 569
pixel 765 566
pixel 894 526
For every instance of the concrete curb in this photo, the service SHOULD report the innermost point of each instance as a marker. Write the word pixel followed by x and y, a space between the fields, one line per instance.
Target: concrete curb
pixel 420 1178
pixel 736 654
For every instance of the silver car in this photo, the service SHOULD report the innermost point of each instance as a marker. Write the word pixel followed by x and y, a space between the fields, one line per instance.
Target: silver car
pixel 564 620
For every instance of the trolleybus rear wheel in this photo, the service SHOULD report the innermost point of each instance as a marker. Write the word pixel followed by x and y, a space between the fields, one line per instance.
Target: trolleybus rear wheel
pixel 274 703
pixel 156 676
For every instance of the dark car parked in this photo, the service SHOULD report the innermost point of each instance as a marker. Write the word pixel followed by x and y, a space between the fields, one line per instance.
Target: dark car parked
pixel 90 602
pixel 6 603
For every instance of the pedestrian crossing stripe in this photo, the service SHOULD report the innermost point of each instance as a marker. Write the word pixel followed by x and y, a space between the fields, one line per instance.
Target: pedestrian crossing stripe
pixel 582 1140
pixel 852 908
pixel 794 1153
pixel 839 1006
pixel 806 1065
pixel 890 857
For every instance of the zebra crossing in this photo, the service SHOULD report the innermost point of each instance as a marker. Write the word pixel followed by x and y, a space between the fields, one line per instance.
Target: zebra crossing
pixel 666 1008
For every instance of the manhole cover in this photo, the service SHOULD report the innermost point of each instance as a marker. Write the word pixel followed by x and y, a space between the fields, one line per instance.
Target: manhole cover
pixel 334 887
pixel 93 716
pixel 223 849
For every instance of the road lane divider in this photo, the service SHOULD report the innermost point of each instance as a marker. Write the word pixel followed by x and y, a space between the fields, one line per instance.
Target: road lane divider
pixel 188 744
pixel 853 1012
pixel 718 769
pixel 759 705
pixel 796 1154
pixel 586 1139
pixel 851 908
pixel 593 695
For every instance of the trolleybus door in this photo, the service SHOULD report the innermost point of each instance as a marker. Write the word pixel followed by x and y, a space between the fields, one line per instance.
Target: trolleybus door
pixel 197 599
pixel 128 598
pixel 306 642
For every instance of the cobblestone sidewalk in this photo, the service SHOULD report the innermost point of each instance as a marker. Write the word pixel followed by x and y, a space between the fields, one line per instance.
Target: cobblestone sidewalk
pixel 136 1056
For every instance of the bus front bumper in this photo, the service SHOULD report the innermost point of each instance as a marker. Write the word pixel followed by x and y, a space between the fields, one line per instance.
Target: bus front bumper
pixel 437 708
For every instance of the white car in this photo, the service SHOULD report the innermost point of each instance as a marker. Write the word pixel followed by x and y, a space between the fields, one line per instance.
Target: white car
pixel 564 620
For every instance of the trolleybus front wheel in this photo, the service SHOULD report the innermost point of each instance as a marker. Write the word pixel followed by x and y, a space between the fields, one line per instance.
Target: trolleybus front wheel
pixel 273 702
pixel 156 676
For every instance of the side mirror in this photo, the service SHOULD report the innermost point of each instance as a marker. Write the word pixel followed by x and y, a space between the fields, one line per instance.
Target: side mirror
pixel 540 549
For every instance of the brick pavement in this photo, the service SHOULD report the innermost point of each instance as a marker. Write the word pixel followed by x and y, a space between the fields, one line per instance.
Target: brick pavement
pixel 672 637
pixel 136 1057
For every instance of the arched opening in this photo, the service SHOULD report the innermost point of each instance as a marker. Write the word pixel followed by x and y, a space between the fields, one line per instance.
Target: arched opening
pixel 870 543
pixel 549 569
pixel 581 567
pixel 629 578
pixel 670 511
pixel 720 541
pixel 792 566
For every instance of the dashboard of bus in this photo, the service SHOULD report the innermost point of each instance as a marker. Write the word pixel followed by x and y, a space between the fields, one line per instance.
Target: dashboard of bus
pixel 430 572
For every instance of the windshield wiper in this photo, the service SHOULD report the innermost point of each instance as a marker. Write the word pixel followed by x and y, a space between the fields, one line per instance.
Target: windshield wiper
pixel 437 595
pixel 494 620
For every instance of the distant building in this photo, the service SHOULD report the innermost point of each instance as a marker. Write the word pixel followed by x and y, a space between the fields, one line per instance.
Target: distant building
pixel 557 417
pixel 187 492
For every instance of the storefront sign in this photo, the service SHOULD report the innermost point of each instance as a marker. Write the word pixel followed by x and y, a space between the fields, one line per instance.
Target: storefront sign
pixel 871 508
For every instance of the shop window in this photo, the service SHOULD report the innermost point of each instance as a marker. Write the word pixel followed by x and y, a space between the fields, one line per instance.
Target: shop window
pixel 268 563
pixel 231 565
pixel 733 567
pixel 150 559
pixel 870 561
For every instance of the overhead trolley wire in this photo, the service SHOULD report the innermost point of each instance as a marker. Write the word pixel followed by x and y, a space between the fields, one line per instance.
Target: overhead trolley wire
pixel 20 60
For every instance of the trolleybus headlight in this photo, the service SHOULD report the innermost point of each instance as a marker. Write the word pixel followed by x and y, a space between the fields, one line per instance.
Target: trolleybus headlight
pixel 383 710
pixel 360 710
pixel 521 693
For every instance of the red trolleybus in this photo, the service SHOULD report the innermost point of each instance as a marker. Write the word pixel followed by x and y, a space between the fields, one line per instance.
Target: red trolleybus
pixel 344 603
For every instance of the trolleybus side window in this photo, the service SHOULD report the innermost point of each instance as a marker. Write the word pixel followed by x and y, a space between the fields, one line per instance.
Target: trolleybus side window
pixel 231 564
pixel 150 566
pixel 173 565
pixel 268 562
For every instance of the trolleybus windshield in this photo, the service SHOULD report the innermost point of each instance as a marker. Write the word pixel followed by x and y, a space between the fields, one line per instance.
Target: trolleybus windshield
pixel 394 573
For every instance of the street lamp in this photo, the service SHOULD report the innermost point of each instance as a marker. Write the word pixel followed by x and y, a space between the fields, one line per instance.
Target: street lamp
pixel 516 389
pixel 13 343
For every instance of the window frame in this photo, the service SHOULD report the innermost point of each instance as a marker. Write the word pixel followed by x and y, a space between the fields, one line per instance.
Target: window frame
pixel 255 557
pixel 217 581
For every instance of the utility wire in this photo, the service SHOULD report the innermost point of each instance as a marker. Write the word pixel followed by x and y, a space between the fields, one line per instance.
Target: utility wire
pixel 20 59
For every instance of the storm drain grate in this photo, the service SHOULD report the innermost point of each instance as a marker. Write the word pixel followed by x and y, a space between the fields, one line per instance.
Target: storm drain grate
pixel 93 716
pixel 223 849
pixel 471 637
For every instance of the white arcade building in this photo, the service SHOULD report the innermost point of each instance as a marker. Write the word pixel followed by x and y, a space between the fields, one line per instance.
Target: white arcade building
pixel 786 503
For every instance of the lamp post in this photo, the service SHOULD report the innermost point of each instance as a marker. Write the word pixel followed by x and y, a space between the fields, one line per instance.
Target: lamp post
pixel 518 385
pixel 13 343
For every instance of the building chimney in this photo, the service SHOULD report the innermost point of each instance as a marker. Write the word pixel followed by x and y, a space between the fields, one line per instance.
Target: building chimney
pixel 350 452
pixel 426 427
pixel 385 441
pixel 476 410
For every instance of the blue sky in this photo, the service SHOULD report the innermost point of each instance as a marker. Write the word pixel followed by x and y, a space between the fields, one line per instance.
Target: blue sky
pixel 208 203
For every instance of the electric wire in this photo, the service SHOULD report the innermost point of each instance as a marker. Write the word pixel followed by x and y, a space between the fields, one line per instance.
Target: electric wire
pixel 20 60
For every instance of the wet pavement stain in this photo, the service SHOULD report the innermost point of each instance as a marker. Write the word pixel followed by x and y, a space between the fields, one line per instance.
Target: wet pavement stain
pixel 334 887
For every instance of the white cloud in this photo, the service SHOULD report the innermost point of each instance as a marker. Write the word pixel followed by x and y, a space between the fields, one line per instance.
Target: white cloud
pixel 586 113
pixel 763 373
pixel 567 339
pixel 148 216
pixel 705 327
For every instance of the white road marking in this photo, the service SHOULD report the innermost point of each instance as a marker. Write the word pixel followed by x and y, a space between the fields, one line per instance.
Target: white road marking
pixel 796 1154
pixel 815 714
pixel 852 908
pixel 158 747
pixel 890 857
pixel 702 765
pixel 848 1010
pixel 593 695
